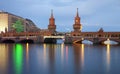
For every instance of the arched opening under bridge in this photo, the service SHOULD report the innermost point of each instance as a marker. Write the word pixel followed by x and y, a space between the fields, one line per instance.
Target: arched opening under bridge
pixel 87 42
pixel 27 41
pixel 59 41
pixel 108 41
pixel 8 41
pixel 50 40
pixel 83 42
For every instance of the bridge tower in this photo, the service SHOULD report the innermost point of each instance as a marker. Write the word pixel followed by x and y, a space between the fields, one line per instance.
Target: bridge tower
pixel 77 25
pixel 52 26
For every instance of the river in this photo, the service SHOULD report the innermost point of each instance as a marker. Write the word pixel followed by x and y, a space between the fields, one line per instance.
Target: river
pixel 59 59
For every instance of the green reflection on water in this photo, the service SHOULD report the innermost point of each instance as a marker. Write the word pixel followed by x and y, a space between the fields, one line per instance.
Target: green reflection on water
pixel 18 56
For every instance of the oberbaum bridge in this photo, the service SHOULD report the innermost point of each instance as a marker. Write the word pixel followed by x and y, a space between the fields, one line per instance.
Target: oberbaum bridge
pixel 32 34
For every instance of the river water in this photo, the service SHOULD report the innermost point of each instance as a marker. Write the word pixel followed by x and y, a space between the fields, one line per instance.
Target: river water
pixel 59 59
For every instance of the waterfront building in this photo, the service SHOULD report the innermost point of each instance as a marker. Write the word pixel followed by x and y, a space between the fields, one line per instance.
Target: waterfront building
pixel 7 20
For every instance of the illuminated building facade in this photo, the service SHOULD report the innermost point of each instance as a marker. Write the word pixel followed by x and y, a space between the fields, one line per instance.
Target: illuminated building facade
pixel 7 20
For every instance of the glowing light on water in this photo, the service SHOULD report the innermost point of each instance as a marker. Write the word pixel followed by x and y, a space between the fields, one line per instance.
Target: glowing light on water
pixel 45 54
pixel 82 54
pixel 108 56
pixel 18 57
pixel 27 53
pixel 62 52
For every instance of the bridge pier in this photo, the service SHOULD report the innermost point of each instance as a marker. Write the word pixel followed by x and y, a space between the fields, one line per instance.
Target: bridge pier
pixel 39 39
pixel 118 43
pixel 96 41
pixel 68 40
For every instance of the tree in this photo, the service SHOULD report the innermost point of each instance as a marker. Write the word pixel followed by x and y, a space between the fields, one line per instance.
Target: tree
pixel 18 26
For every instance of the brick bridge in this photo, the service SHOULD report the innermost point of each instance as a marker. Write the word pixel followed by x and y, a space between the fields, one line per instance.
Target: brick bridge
pixel 95 37
pixel 30 37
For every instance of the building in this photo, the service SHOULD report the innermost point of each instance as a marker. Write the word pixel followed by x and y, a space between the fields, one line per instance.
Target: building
pixel 77 25
pixel 30 26
pixel 7 20
pixel 52 26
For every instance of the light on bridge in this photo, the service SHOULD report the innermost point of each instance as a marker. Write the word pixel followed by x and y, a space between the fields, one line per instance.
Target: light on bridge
pixel 27 38
pixel 82 38
pixel 108 39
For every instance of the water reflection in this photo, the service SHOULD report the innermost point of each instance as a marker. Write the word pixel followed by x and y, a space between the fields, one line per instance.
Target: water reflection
pixel 108 57
pixel 58 59
pixel 82 54
pixel 27 55
pixel 78 57
pixel 51 52
pixel 18 58
pixel 3 58
pixel 62 52
pixel 66 53
pixel 27 52
pixel 45 55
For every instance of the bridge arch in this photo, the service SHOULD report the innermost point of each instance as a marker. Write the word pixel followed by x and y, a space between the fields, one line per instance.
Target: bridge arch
pixel 108 41
pixel 53 39
pixel 8 41
pixel 84 41
pixel 78 41
pixel 87 41
pixel 26 41
pixel 111 42
pixel 50 40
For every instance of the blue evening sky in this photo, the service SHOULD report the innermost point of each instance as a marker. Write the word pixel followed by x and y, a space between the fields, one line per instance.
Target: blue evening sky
pixel 94 13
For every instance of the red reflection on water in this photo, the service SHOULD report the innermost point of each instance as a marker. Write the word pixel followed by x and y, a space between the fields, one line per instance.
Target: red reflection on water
pixel 66 53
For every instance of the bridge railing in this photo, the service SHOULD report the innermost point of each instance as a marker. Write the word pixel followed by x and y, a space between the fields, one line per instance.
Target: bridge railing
pixel 54 37
pixel 94 37
pixel 20 37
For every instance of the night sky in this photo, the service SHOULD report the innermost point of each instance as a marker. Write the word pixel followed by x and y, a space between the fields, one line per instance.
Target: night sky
pixel 94 13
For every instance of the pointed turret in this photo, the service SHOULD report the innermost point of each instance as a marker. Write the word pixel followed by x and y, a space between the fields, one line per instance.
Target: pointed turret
pixel 52 26
pixel 101 30
pixel 77 26
pixel 52 14
pixel 51 20
pixel 77 13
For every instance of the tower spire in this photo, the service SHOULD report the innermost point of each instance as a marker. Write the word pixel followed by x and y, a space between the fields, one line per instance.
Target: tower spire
pixel 77 13
pixel 77 25
pixel 52 26
pixel 52 13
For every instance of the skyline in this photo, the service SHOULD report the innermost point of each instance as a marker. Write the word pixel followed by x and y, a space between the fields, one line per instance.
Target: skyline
pixel 94 14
